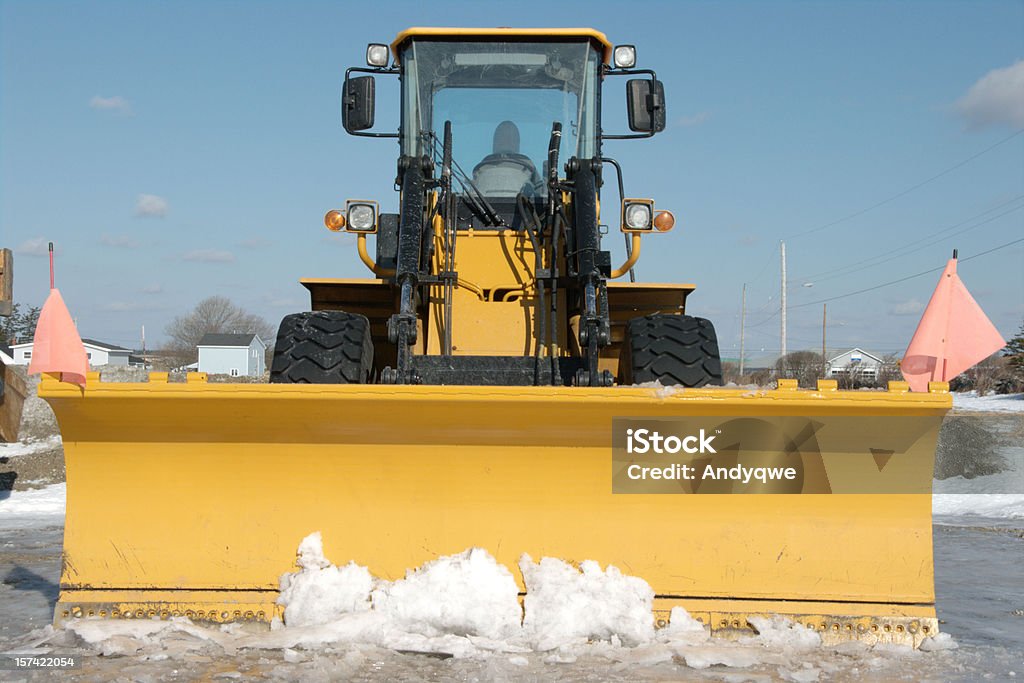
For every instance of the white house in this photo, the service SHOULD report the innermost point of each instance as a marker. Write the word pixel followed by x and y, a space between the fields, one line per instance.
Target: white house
pixel 232 354
pixel 98 353
pixel 856 364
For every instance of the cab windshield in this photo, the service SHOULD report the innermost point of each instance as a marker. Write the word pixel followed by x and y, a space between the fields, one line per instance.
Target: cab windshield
pixel 502 99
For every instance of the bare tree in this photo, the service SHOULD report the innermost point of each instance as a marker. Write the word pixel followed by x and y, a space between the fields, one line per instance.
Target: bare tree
pixel 803 366
pixel 889 370
pixel 215 314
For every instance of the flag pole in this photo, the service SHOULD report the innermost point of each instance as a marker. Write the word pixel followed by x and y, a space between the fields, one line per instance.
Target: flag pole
pixel 51 265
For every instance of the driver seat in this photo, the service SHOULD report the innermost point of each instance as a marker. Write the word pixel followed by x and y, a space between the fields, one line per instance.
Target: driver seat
pixel 505 173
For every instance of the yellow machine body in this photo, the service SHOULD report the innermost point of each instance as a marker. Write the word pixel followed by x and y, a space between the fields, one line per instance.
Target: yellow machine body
pixel 190 498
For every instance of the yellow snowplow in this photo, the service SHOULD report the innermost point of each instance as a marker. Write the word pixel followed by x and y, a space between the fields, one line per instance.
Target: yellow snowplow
pixel 493 386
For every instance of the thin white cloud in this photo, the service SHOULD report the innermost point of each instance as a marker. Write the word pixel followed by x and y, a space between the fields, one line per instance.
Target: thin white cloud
pixel 126 307
pixel 156 288
pixel 255 243
pixel 695 120
pixel 908 307
pixel 209 256
pixel 748 240
pixel 116 104
pixel 997 98
pixel 337 238
pixel 284 302
pixel 120 241
pixel 151 205
pixel 37 246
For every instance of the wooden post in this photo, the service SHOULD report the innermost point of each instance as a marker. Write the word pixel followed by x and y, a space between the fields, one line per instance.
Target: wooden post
pixel 6 283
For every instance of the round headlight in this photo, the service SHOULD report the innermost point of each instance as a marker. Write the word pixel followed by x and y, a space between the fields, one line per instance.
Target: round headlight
pixel 361 217
pixel 638 216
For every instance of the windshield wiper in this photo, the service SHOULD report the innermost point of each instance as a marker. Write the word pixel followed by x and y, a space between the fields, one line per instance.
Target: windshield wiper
pixel 476 198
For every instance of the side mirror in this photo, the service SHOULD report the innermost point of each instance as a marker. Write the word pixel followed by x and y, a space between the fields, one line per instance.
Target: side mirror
pixel 646 109
pixel 357 103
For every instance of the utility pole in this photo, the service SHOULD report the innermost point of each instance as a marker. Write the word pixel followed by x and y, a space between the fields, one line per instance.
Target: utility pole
pixel 143 339
pixel 783 331
pixel 743 321
pixel 824 312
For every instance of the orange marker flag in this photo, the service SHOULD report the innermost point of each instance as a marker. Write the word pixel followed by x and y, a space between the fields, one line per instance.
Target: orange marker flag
pixel 954 334
pixel 56 346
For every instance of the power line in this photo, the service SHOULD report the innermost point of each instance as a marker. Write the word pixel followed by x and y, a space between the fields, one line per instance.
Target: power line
pixel 909 277
pixel 767 262
pixel 898 252
pixel 906 191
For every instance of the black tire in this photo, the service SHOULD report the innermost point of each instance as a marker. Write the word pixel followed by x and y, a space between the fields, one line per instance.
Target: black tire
pixel 672 349
pixel 323 347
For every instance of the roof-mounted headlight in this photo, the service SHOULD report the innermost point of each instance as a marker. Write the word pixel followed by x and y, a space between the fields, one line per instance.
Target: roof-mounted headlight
pixel 377 55
pixel 624 56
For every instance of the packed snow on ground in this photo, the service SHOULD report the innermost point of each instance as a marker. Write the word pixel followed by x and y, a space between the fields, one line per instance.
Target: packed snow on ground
pixel 994 505
pixel 11 450
pixel 990 403
pixel 33 507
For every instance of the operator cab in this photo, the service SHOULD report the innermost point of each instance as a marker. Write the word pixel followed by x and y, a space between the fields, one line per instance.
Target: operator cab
pixel 502 97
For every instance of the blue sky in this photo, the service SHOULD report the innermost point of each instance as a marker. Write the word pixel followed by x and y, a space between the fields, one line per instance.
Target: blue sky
pixel 174 151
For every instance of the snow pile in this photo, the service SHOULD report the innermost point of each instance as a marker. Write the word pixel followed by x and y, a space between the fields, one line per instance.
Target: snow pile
pixel 320 592
pixel 938 642
pixel 780 633
pixel 36 506
pixel 469 593
pixel 683 628
pixel 997 505
pixel 991 403
pixel 566 605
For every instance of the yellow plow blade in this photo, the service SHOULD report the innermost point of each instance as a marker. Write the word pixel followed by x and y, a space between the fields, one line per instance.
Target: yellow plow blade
pixel 190 498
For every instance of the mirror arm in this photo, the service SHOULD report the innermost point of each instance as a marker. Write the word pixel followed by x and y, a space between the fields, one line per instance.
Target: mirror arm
pixel 630 72
pixel 375 71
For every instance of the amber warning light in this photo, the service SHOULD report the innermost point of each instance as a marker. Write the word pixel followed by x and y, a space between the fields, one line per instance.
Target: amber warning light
pixel 664 221
pixel 334 220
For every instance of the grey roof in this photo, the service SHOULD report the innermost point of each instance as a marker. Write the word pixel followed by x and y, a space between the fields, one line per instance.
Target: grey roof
pixel 856 348
pixel 104 345
pixel 7 349
pixel 216 339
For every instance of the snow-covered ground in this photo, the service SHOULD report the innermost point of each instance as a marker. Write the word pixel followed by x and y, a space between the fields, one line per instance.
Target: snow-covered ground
pixel 13 450
pixel 991 403
pixel 35 507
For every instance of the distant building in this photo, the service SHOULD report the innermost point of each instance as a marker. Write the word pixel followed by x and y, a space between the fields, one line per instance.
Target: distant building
pixel 98 353
pixel 855 364
pixel 232 354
